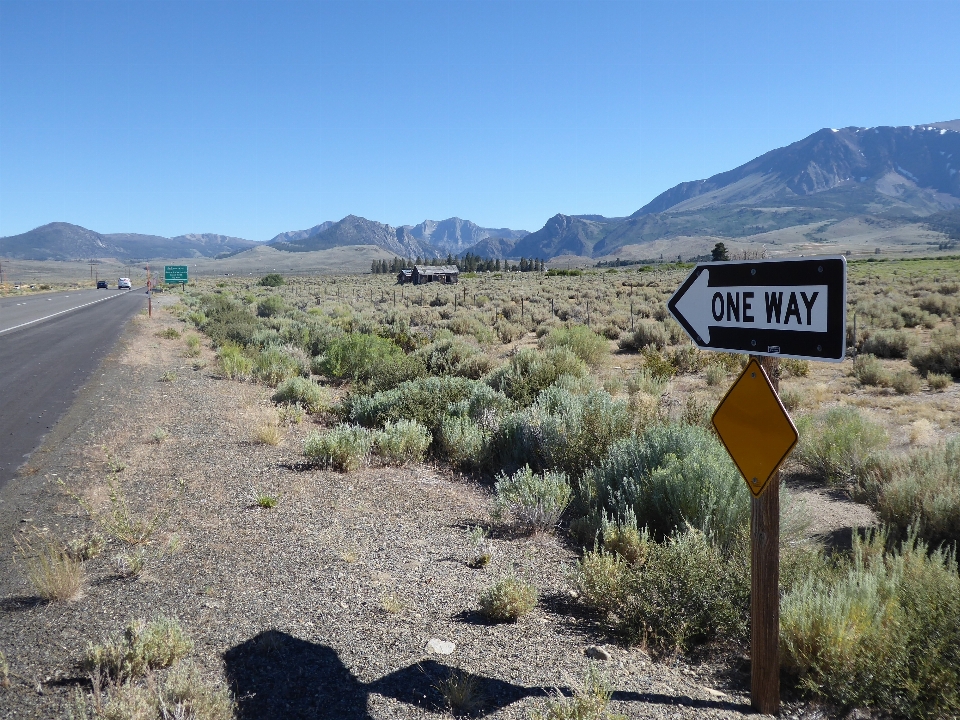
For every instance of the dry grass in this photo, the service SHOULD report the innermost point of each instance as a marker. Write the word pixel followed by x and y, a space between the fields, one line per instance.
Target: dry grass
pixel 462 691
pixel 55 575
pixel 268 433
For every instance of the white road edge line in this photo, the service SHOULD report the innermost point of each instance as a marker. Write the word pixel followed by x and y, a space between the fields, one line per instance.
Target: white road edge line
pixel 110 297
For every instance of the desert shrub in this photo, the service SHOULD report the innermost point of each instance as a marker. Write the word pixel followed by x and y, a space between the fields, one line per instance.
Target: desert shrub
pixel 938 381
pixel 507 331
pixel 869 371
pixel 656 365
pixel 940 304
pixel 471 325
pixel 234 363
pixel 797 368
pixel 611 332
pixel 576 430
pixel 529 372
pixel 193 345
pixel 675 331
pixel 884 635
pixel 264 337
pixel 791 397
pixel 889 344
pixel 840 444
pixel 357 357
pixel 402 442
pixel 142 647
pixel 913 316
pixel 921 491
pixel 943 355
pixel 905 382
pixel 697 410
pixel 304 392
pixel 593 349
pixel 426 400
pixel 601 578
pixel 589 702
pixel 646 333
pixel 646 382
pixel 462 441
pixel 168 333
pixel 270 306
pixel 671 477
pixel 345 447
pixel 514 442
pixel 562 430
pixel 454 357
pixel 227 321
pixel 271 280
pixel 185 694
pixel 508 600
pixel 680 593
pixel 274 365
pixel 686 359
pixel 534 501
pixel 715 374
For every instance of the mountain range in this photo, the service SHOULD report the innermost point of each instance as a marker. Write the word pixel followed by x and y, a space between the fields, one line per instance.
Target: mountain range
pixel 902 175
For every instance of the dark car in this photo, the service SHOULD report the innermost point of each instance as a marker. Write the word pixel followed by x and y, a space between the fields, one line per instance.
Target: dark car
pixel 101 284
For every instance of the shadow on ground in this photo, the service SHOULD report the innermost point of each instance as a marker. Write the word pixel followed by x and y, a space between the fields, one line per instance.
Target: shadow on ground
pixel 275 675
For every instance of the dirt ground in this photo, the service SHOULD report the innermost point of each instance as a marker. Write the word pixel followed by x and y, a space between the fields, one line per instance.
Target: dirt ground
pixel 322 606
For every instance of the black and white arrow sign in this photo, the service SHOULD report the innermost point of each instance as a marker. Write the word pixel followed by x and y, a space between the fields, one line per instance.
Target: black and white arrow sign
pixel 788 308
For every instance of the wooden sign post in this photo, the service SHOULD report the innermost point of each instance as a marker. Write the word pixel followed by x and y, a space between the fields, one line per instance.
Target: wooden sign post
pixel 765 583
pixel 759 435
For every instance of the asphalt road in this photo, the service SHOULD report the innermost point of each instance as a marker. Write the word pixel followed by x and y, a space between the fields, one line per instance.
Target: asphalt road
pixel 19 310
pixel 45 362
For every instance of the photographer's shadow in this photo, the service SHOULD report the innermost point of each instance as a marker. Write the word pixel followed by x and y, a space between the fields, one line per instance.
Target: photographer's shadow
pixel 275 675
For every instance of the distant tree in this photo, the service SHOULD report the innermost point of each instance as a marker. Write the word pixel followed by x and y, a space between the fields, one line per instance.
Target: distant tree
pixel 272 280
pixel 719 252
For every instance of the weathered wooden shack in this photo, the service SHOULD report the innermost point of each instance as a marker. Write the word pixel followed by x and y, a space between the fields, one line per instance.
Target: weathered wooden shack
pixel 404 276
pixel 446 274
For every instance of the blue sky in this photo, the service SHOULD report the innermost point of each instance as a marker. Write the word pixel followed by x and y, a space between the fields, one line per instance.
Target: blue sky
pixel 253 118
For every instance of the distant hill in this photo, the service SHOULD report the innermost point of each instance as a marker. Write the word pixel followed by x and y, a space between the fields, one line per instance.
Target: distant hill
pixel 565 235
pixel 63 241
pixel 429 239
pixel 355 230
pixel 298 235
pixel 893 161
pixel 455 236
pixel 896 174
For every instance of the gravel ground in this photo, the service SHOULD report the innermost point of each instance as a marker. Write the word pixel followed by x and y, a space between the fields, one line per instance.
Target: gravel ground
pixel 321 607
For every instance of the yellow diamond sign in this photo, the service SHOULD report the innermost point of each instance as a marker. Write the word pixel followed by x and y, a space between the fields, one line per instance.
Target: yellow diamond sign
pixel 755 427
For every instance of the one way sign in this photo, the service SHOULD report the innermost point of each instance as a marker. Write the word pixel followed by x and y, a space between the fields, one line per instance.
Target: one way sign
pixel 788 308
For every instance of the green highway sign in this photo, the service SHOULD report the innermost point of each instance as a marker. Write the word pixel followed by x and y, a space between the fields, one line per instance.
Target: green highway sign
pixel 174 274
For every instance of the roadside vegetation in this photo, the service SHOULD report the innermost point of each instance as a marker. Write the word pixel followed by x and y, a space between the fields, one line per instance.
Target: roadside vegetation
pixel 586 410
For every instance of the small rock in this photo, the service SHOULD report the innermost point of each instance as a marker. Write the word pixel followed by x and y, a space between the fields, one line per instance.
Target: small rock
pixel 440 647
pixel 595 652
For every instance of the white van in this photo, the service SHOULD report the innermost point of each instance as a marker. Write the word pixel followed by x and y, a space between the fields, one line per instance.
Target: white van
pixel 123 284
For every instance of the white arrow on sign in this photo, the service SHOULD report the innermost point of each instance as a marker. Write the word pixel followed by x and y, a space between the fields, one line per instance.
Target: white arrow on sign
pixel 800 308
